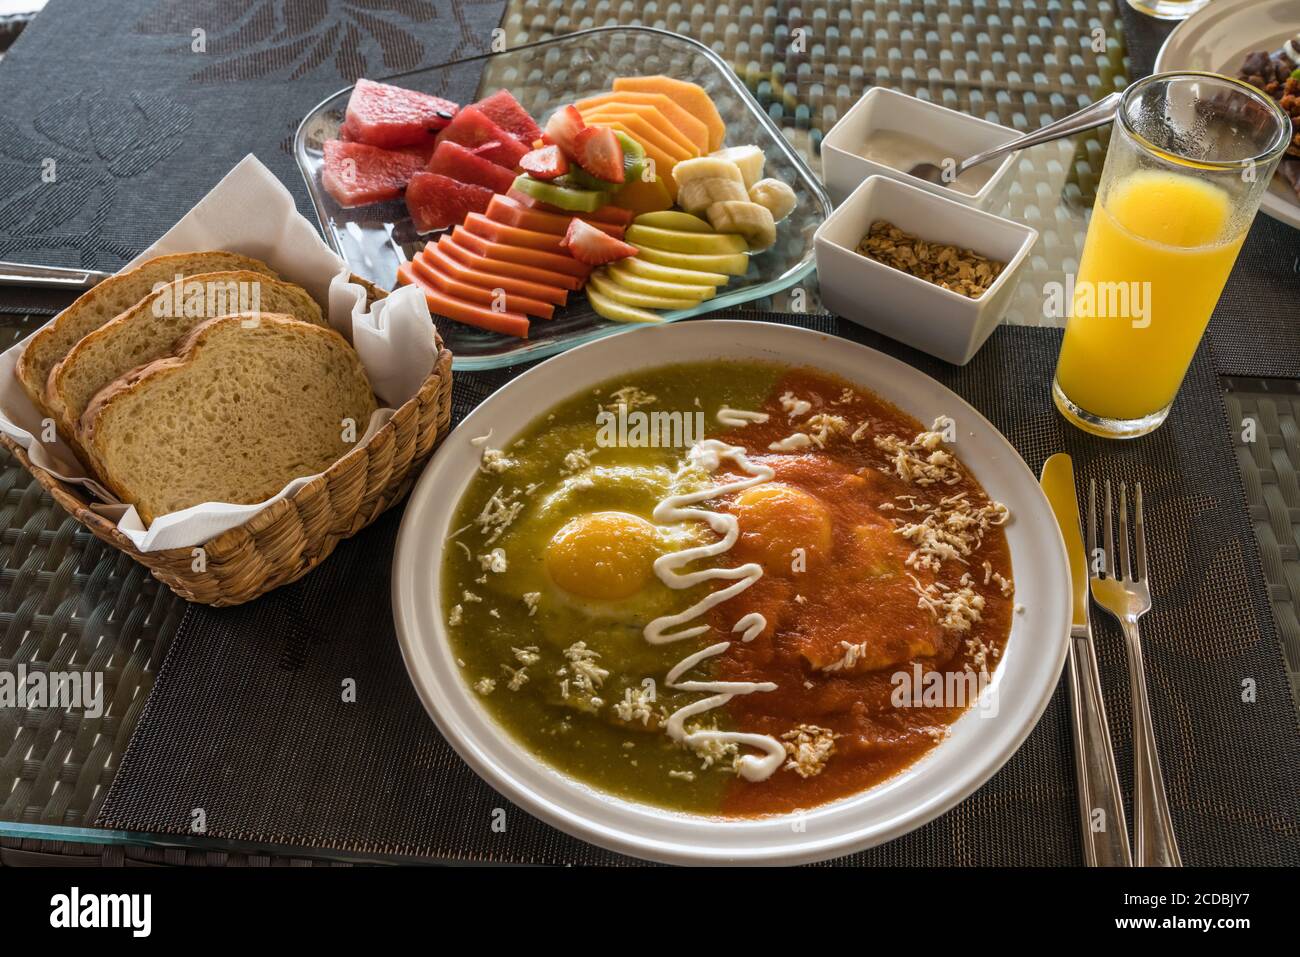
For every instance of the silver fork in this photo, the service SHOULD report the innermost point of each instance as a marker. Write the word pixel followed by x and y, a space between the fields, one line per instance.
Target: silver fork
pixel 1120 587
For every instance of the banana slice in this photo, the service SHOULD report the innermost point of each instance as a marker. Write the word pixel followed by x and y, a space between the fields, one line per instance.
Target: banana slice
pixel 748 159
pixel 777 196
pixel 706 180
pixel 749 220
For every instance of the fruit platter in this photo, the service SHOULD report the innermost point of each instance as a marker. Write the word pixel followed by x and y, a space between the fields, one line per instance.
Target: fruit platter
pixel 562 191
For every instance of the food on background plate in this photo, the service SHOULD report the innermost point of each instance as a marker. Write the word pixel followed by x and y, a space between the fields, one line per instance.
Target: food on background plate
pixel 148 330
pixel 108 299
pixel 569 189
pixel 959 270
pixel 245 404
pixel 1278 75
pixel 716 618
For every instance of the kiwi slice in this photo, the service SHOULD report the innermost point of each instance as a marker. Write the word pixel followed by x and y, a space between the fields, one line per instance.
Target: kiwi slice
pixel 633 163
pixel 565 196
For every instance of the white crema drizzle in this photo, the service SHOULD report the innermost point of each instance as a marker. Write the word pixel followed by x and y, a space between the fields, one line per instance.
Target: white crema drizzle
pixel 738 418
pixel 709 455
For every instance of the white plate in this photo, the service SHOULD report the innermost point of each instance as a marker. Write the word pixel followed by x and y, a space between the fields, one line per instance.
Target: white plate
pixel 979 742
pixel 1217 38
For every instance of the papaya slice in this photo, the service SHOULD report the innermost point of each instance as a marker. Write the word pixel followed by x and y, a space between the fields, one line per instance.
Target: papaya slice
pixel 651 116
pixel 473 260
pixel 524 255
pixel 673 113
pixel 663 162
pixel 690 96
pixel 490 229
pixel 440 261
pixel 509 323
pixel 503 209
pixel 643 131
pixel 479 295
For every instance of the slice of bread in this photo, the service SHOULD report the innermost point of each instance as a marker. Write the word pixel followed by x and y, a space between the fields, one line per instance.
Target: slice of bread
pixel 110 298
pixel 149 330
pixel 233 416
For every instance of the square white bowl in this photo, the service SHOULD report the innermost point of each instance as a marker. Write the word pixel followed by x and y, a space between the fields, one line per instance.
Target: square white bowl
pixel 955 135
pixel 914 311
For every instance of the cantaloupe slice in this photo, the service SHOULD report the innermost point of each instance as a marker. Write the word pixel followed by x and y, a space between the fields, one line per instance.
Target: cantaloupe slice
pixel 643 131
pixel 685 123
pixel 663 162
pixel 653 117
pixel 642 197
pixel 690 96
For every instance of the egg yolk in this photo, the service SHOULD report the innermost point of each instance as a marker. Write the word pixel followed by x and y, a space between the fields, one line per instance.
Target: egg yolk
pixel 604 555
pixel 777 519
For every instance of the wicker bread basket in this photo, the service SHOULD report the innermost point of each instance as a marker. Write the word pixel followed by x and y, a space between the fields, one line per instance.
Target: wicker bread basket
pixel 285 541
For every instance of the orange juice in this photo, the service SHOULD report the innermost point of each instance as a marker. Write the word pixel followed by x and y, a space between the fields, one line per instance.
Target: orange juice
pixel 1156 258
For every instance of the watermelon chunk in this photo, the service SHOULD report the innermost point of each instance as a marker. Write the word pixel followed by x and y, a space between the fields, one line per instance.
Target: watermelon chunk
pixel 389 116
pixel 356 174
pixel 473 129
pixel 436 201
pixel 504 110
pixel 452 159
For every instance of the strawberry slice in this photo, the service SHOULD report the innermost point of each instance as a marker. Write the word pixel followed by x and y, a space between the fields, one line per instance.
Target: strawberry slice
pixel 563 127
pixel 589 245
pixel 545 163
pixel 600 153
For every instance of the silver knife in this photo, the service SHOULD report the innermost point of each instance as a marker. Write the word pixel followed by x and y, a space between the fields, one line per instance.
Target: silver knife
pixel 49 277
pixel 1101 803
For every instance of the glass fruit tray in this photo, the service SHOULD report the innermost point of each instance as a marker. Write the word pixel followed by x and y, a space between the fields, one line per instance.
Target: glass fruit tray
pixel 375 239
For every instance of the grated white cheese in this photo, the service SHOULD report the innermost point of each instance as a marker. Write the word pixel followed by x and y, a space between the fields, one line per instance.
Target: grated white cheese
pixel 636 706
pixel 495 461
pixel 498 513
pixel 494 561
pixel 809 748
pixel 955 608
pixel 921 461
pixel 587 675
pixel 518 677
pixel 632 397
pixel 822 426
pixel 457 615
pixel 528 655
pixel 852 653
pixel 531 598
pixel 861 430
pixel 485 686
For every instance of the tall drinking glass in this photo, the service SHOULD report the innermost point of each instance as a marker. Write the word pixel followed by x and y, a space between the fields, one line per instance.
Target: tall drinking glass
pixel 1168 9
pixel 1190 157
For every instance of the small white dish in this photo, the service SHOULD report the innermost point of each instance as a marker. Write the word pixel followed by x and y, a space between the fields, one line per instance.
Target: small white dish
pixel 955 136
pixel 919 313
pixel 979 742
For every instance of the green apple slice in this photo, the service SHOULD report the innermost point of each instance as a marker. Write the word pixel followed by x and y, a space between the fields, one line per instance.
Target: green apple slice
pixel 682 292
pixel 610 309
pixel 606 285
pixel 675 241
pixel 736 264
pixel 674 219
pixel 691 277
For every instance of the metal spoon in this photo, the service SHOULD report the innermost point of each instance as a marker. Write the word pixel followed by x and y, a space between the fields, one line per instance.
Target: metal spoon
pixel 1090 117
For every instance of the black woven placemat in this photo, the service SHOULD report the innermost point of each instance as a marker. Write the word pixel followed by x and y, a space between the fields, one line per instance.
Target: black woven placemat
pixel 247 719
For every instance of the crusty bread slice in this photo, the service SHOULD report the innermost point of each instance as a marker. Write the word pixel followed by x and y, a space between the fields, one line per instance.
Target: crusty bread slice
pixel 233 416
pixel 149 330
pixel 110 298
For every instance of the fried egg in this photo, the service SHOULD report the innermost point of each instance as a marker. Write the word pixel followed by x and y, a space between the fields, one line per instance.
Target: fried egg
pixel 776 520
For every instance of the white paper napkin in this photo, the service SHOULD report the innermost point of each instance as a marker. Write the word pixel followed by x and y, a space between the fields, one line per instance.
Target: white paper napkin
pixel 250 212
